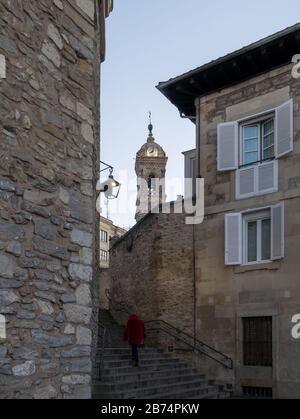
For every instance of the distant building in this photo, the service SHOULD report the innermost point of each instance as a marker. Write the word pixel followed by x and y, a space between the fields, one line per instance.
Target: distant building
pixel 108 232
pixel 150 166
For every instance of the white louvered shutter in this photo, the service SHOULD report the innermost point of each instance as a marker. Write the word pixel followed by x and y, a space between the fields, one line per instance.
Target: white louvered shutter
pixel 246 182
pixel 233 239
pixel 277 231
pixel 284 143
pixel 228 146
pixel 268 177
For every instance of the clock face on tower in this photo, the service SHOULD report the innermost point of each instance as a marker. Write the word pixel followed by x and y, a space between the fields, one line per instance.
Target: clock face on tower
pixel 152 151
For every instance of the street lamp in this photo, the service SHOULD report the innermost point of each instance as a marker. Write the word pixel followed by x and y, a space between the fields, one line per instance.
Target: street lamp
pixel 111 187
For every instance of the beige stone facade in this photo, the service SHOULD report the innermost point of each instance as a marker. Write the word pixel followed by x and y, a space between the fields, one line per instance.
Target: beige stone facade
pixel 108 234
pixel 227 294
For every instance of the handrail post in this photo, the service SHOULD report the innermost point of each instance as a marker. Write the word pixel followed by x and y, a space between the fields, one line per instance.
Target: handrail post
pixel 101 364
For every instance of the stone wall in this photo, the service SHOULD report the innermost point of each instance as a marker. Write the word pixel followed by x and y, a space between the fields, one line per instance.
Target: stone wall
pixel 49 163
pixel 152 271
pixel 226 294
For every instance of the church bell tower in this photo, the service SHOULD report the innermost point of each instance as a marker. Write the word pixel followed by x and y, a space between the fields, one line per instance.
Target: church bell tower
pixel 150 168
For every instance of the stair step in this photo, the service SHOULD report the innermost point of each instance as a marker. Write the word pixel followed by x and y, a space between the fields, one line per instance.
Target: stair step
pixel 205 392
pixel 157 391
pixel 147 383
pixel 146 356
pixel 148 368
pixel 159 376
pixel 144 362
pixel 144 375
pixel 127 350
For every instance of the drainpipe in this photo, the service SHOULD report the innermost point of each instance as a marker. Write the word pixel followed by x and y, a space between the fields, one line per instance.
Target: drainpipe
pixel 195 288
pixel 183 116
pixel 197 121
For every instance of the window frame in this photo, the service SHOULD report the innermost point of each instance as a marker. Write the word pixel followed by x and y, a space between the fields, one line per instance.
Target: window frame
pixel 258 217
pixel 256 120
pixel 103 256
pixel 104 233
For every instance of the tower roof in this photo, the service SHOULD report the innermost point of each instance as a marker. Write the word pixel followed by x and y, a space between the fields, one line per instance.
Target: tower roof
pixel 151 149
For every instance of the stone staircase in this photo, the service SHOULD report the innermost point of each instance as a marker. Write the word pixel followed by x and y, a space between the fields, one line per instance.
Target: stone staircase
pixel 159 376
pixel 115 332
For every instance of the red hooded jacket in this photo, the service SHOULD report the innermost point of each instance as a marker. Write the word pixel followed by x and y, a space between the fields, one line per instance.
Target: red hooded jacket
pixel 135 331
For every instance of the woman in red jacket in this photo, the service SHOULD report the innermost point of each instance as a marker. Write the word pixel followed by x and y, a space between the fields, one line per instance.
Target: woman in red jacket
pixel 134 334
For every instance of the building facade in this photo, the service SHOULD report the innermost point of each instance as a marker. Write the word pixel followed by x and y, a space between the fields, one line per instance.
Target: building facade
pixel 248 152
pixel 242 287
pixel 49 252
pixel 109 233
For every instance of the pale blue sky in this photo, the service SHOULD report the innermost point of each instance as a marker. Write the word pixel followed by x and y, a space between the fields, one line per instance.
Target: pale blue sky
pixel 149 41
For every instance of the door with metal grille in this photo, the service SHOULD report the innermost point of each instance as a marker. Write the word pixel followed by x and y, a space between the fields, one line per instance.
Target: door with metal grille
pixel 257 341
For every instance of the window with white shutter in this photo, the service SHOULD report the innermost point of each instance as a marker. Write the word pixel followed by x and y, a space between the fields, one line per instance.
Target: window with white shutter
pixel 233 239
pixel 277 231
pixel 228 146
pixel 284 129
pixel 254 237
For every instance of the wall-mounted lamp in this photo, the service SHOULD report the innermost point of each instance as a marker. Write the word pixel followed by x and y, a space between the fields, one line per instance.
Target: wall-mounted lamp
pixel 111 187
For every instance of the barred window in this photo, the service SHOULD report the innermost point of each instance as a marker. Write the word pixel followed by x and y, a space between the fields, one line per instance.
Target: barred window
pixel 257 341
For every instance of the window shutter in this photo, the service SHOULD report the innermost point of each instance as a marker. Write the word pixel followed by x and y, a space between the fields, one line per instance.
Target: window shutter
pixel 246 182
pixel 268 177
pixel 233 239
pixel 228 146
pixel 277 232
pixel 284 129
pixel 190 172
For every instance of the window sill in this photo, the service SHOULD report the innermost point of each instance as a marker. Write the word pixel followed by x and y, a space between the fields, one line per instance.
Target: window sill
pixel 272 266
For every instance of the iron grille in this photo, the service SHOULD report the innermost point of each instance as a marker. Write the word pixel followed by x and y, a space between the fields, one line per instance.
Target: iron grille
pixel 257 341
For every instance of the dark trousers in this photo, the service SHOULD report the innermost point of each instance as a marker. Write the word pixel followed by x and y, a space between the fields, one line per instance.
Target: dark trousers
pixel 135 353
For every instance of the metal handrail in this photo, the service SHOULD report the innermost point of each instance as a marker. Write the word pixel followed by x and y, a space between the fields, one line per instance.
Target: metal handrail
pixel 104 336
pixel 197 345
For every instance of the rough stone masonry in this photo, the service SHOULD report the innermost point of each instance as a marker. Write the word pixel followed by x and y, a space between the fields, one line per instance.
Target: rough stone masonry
pixel 49 163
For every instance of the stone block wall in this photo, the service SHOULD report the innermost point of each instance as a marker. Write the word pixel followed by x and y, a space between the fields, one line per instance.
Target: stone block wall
pixel 152 271
pixel 49 164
